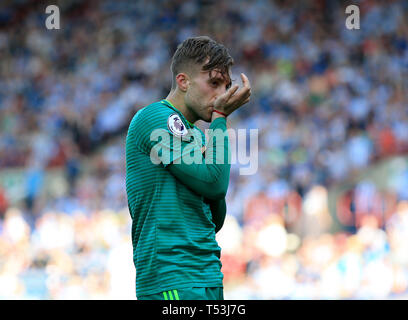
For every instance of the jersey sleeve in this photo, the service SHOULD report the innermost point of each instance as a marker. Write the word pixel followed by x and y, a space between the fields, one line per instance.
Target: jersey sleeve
pixel 162 134
pixel 218 212
pixel 209 178
pixel 168 142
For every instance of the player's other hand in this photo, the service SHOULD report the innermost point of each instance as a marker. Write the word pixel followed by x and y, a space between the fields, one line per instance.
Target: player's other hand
pixel 233 98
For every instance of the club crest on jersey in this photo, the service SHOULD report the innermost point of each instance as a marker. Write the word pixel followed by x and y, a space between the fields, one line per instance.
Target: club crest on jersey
pixel 176 125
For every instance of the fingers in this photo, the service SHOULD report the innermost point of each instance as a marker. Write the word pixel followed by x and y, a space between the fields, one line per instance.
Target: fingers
pixel 234 97
pixel 245 81
pixel 245 92
pixel 231 91
pixel 245 86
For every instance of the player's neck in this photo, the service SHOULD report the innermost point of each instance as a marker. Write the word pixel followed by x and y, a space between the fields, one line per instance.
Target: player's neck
pixel 178 102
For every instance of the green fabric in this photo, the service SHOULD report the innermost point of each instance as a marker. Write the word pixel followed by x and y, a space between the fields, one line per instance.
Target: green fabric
pixel 218 210
pixel 169 103
pixel 173 224
pixel 208 179
pixel 187 294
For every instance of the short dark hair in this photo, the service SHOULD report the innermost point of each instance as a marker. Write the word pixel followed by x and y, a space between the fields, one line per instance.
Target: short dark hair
pixel 196 50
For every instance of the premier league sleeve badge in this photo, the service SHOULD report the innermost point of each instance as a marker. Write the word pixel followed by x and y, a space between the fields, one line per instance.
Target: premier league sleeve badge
pixel 176 125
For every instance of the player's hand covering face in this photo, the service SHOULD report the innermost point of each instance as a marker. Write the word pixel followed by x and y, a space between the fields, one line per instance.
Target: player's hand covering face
pixel 233 98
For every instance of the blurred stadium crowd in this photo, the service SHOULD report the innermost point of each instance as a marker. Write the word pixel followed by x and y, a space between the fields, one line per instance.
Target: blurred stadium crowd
pixel 328 102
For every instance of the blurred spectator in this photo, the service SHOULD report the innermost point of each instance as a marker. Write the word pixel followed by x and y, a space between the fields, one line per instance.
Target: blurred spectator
pixel 328 103
pixel 3 203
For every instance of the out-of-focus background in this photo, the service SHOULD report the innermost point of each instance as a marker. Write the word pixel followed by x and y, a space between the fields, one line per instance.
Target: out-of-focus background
pixel 324 217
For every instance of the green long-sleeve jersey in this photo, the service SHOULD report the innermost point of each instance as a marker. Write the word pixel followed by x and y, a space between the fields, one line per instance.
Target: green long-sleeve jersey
pixel 176 207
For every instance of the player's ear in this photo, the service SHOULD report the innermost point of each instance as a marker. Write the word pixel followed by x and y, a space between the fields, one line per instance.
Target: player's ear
pixel 182 81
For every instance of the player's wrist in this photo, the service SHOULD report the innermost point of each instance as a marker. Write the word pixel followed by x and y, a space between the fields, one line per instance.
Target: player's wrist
pixel 218 114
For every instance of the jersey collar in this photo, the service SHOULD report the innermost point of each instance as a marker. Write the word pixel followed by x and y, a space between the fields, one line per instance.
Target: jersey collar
pixel 169 104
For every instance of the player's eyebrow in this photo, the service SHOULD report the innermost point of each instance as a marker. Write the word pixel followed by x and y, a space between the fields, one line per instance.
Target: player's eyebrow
pixel 220 79
pixel 219 76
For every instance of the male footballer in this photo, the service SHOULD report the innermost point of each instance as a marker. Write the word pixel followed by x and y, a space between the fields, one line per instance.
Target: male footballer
pixel 178 206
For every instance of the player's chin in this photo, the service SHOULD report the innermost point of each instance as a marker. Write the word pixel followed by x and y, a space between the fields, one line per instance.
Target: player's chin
pixel 207 117
pixel 210 115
